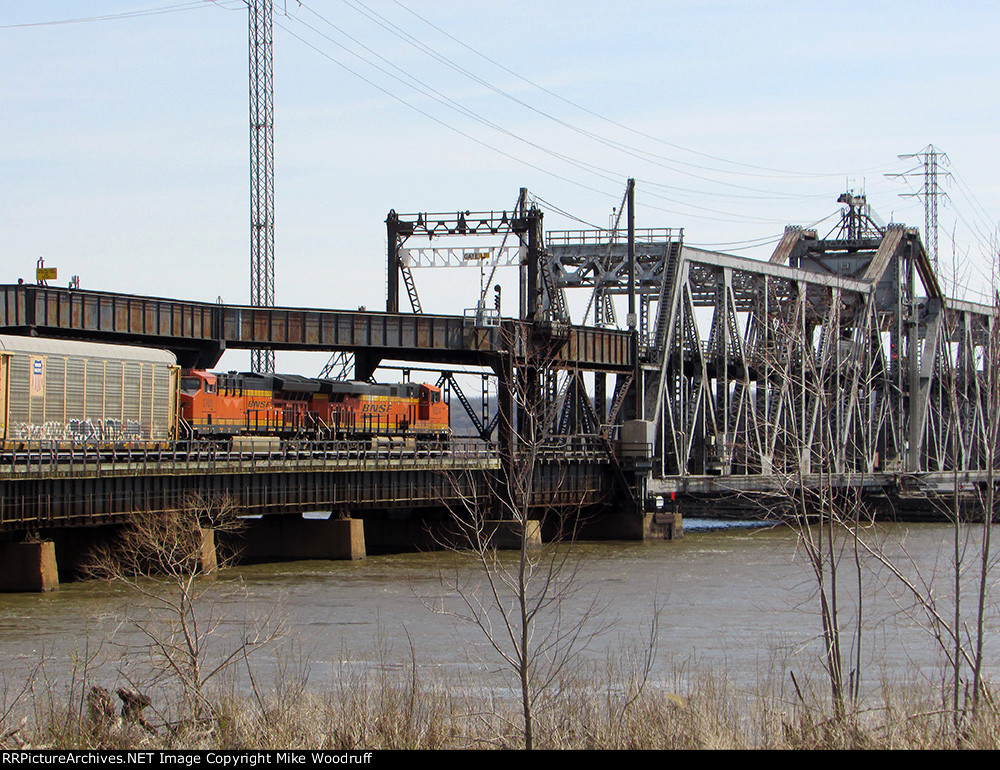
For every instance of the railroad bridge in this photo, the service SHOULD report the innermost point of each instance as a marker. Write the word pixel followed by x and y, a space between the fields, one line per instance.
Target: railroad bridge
pixel 839 360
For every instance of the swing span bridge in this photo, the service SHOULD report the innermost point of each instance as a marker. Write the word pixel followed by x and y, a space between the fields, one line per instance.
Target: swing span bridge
pixel 840 358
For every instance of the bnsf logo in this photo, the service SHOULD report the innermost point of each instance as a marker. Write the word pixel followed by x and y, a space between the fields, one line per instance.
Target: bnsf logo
pixel 375 408
pixel 258 404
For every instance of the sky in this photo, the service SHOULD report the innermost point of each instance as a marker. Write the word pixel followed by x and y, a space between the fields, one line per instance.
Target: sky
pixel 124 139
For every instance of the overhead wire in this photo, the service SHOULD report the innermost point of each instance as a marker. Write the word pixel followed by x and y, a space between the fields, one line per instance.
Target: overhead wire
pixel 982 229
pixel 429 91
pixel 155 11
pixel 438 120
pixel 425 89
pixel 781 173
pixel 669 164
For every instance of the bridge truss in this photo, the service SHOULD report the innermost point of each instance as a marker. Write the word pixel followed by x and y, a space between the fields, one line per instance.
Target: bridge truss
pixel 839 355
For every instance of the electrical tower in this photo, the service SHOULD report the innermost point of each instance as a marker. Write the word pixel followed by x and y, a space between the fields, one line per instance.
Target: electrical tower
pixel 933 159
pixel 261 168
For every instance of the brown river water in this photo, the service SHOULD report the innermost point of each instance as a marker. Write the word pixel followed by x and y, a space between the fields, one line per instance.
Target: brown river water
pixel 731 599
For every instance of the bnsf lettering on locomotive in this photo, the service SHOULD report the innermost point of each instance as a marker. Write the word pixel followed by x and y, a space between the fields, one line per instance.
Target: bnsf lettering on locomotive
pixel 375 408
pixel 258 404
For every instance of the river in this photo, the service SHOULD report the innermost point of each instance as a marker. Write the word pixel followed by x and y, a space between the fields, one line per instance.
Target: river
pixel 729 598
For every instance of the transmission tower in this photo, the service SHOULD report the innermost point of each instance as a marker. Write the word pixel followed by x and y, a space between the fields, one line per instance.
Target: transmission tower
pixel 933 160
pixel 261 168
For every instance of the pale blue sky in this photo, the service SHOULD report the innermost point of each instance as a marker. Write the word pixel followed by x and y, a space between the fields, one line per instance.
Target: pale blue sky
pixel 124 146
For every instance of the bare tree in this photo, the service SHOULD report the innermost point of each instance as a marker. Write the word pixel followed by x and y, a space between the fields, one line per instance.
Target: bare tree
pixel 162 559
pixel 970 391
pixel 526 598
pixel 823 503
pixel 816 454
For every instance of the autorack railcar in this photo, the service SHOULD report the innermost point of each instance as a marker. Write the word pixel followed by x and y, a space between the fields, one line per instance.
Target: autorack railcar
pixel 71 392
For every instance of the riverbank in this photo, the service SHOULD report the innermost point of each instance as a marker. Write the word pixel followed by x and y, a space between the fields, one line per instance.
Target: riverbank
pixel 394 709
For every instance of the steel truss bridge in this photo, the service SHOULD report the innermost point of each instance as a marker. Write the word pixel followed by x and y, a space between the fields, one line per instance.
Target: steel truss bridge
pixel 839 357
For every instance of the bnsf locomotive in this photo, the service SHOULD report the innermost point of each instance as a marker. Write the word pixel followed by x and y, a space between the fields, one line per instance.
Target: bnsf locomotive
pixel 245 403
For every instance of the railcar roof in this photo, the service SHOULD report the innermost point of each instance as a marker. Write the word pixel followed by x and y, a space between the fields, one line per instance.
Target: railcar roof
pixel 48 346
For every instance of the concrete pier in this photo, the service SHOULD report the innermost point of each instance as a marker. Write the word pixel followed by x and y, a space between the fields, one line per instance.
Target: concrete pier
pixel 506 535
pixel 663 525
pixel 285 538
pixel 208 560
pixel 408 536
pixel 28 567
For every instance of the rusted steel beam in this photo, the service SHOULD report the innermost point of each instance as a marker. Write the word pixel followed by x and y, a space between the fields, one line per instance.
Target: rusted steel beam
pixel 200 331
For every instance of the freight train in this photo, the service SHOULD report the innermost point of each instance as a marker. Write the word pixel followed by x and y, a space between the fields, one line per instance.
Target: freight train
pixel 72 392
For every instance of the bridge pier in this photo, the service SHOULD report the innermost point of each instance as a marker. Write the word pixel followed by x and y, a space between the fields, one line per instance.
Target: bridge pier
pixel 394 534
pixel 28 567
pixel 506 535
pixel 664 525
pixel 290 538
pixel 208 560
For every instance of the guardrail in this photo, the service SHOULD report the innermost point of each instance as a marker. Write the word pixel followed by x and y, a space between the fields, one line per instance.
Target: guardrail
pixel 49 459
pixel 601 237
pixel 43 459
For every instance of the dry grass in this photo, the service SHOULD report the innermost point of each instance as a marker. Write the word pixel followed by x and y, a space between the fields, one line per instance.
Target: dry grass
pixel 389 707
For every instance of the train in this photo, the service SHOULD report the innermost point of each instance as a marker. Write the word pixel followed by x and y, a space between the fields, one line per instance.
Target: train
pixel 75 392
pixel 283 405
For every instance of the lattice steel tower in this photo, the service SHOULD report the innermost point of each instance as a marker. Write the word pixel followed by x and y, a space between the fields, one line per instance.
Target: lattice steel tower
pixel 261 168
pixel 933 159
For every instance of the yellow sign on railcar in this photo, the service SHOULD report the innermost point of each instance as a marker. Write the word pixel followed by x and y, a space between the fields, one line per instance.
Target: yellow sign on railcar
pixel 46 274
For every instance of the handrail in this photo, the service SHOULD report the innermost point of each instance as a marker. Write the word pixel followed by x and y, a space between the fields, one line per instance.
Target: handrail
pixel 45 459
pixel 40 459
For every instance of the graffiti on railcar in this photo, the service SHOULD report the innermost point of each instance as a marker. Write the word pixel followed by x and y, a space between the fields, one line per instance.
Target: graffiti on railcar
pixel 99 431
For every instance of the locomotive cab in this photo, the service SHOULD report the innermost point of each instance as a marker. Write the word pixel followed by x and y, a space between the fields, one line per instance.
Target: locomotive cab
pixel 197 398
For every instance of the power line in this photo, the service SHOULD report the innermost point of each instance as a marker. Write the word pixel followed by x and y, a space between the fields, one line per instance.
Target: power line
pixel 779 172
pixel 439 121
pixel 156 11
pixel 410 81
pixel 646 157
pixel 932 159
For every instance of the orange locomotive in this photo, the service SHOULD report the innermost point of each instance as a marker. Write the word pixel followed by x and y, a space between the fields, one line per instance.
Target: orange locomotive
pixel 245 403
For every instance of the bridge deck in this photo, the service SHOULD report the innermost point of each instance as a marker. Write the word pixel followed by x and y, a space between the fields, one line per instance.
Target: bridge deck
pixel 44 488
pixel 198 332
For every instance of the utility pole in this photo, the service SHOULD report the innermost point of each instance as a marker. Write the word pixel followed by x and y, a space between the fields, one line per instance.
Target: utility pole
pixel 261 168
pixel 933 159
